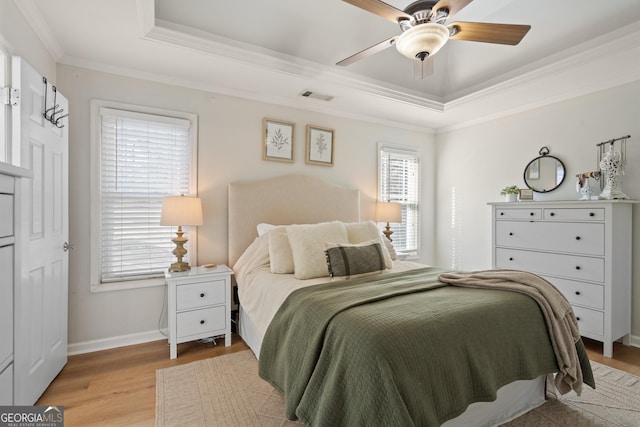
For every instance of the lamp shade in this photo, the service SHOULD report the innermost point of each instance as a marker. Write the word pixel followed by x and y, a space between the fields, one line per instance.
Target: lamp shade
pixel 181 210
pixel 388 212
pixel 422 41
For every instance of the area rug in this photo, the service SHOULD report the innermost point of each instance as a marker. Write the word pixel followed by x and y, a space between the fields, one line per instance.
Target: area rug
pixel 226 391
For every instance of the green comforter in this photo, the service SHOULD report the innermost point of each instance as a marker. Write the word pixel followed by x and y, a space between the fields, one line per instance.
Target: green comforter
pixel 400 349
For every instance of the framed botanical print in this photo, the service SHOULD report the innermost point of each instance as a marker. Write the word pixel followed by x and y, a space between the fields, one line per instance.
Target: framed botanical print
pixel 278 140
pixel 320 147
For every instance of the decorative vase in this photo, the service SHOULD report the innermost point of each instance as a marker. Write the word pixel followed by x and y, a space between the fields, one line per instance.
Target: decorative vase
pixel 510 198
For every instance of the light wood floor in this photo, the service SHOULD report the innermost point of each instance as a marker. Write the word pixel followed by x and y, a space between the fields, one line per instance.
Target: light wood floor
pixel 118 387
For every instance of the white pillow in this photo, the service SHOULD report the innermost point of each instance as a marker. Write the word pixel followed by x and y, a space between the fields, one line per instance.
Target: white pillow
pixel 280 256
pixel 307 247
pixel 390 248
pixel 360 232
pixel 264 228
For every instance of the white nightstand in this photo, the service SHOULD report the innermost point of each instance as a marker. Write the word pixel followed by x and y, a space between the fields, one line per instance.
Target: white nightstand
pixel 199 305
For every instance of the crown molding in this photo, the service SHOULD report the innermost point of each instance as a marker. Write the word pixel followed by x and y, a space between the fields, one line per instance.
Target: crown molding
pixel 39 25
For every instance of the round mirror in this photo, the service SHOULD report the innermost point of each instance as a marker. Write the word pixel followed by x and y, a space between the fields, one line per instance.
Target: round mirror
pixel 544 173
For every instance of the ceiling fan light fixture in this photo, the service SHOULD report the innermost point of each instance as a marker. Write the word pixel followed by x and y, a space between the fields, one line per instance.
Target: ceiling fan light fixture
pixel 422 41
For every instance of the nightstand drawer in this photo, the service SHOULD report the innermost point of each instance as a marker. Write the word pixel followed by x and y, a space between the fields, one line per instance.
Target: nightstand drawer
pixel 200 294
pixel 197 322
pixel 589 320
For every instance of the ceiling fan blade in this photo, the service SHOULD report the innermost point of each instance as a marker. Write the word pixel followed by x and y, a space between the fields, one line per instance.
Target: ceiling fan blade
pixel 510 34
pixel 454 6
pixel 368 51
pixel 422 69
pixel 381 9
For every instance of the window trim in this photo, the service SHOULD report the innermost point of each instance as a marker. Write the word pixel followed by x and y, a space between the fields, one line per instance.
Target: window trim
pixel 390 147
pixel 95 194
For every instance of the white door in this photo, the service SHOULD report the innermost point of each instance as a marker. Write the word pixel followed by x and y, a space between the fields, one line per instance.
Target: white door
pixel 41 298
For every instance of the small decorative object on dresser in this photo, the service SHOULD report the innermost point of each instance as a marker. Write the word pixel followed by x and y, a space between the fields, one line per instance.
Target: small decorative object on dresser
pixel 199 305
pixel 583 248
pixel 526 194
pixel 612 162
pixel 510 193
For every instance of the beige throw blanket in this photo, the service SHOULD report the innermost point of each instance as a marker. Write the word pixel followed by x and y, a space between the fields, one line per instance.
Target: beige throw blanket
pixel 558 314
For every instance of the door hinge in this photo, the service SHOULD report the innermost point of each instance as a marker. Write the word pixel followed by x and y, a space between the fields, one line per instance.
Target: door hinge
pixel 10 96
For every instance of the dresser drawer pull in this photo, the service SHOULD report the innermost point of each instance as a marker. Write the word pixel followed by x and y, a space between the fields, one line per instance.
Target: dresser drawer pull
pixel 202 295
pixel 510 234
pixel 577 292
pixel 552 214
pixel 510 258
pixel 592 214
pixel 531 213
pixel 577 267
pixel 501 213
pixel 577 237
pixel 202 322
pixel 578 319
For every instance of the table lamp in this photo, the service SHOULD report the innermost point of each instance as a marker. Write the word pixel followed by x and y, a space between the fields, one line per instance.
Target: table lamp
pixel 388 212
pixel 181 210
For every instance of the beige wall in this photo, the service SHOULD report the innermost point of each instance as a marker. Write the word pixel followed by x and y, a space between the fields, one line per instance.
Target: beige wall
pixel 229 150
pixel 475 163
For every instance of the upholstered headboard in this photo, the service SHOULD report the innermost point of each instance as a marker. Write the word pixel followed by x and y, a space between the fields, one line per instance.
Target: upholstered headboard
pixel 288 199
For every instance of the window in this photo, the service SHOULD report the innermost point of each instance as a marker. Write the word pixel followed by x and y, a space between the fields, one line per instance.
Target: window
pixel 139 156
pixel 398 181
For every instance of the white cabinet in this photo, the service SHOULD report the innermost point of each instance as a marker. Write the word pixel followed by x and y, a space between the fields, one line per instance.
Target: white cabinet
pixel 199 305
pixel 583 248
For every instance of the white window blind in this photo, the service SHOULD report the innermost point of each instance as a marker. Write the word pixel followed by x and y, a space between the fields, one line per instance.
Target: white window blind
pixel 143 157
pixel 398 178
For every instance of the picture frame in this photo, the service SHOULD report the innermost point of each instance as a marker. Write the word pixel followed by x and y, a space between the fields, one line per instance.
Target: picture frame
pixel 526 194
pixel 278 140
pixel 320 146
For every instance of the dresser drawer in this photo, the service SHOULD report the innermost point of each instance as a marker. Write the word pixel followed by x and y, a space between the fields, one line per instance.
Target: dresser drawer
pixel 574 214
pixel 200 294
pixel 511 213
pixel 580 293
pixel 572 237
pixel 6 213
pixel 197 322
pixel 589 320
pixel 569 266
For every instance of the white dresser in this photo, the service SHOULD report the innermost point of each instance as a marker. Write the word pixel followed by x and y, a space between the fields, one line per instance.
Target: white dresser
pixel 583 248
pixel 199 305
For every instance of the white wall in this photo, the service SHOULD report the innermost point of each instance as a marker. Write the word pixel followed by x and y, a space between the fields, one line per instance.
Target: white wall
pixel 475 163
pixel 229 150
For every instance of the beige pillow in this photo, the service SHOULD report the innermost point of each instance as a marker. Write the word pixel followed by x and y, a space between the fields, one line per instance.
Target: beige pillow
pixel 280 256
pixel 307 247
pixel 390 248
pixel 365 231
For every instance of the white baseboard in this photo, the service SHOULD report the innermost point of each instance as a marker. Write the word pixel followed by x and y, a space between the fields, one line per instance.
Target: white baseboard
pixel 634 340
pixel 113 342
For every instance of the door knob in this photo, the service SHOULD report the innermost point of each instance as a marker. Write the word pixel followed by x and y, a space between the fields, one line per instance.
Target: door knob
pixel 67 247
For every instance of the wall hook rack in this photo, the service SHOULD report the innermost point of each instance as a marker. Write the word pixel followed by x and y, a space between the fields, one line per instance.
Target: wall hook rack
pixel 53 114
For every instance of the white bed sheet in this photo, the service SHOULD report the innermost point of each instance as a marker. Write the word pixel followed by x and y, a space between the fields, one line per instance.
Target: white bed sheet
pixel 261 293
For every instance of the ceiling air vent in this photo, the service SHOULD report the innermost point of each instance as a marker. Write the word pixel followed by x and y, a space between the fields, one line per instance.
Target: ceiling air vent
pixel 309 94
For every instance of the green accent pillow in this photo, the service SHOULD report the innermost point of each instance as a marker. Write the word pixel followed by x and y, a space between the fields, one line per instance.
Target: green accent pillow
pixel 349 260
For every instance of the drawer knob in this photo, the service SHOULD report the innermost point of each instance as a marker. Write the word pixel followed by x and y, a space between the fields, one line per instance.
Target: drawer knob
pixel 510 258
pixel 202 295
pixel 531 213
pixel 577 237
pixel 578 319
pixel 510 234
pixel 577 292
pixel 592 214
pixel 501 213
pixel 202 322
pixel 552 214
pixel 577 267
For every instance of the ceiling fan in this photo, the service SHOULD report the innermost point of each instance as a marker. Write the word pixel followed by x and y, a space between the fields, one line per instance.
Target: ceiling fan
pixel 425 31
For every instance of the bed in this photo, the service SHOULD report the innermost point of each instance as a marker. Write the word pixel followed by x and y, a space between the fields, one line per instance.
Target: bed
pixel 265 296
